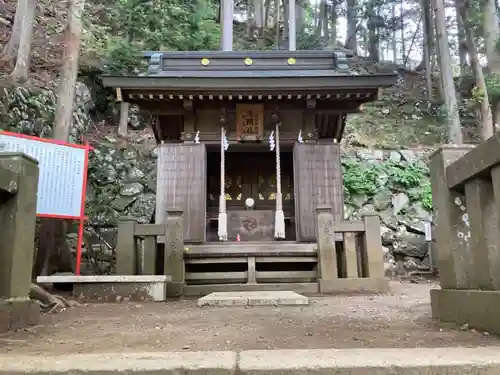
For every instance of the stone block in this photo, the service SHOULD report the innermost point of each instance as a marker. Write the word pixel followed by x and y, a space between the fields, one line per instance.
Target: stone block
pixel 18 314
pixel 478 308
pixel 355 285
pixel 264 298
pixel 114 288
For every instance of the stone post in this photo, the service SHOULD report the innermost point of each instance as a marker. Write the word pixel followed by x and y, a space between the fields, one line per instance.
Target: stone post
pixel 174 252
pixel 17 223
pixel 327 255
pixel 372 247
pixel 18 195
pixel 126 247
pixel 452 227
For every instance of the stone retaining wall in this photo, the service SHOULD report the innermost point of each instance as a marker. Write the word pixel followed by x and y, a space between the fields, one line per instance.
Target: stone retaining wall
pixel 450 361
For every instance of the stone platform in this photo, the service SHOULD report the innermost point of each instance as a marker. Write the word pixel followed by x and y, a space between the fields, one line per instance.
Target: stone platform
pixel 114 288
pixel 261 298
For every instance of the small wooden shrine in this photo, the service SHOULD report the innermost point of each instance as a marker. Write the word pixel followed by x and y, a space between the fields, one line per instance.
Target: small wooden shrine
pixel 249 131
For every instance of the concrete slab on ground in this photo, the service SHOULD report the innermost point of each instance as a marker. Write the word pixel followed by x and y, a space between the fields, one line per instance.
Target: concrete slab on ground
pixel 410 361
pixel 261 298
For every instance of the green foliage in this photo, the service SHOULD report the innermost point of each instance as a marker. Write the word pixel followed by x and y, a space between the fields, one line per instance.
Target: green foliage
pixel 369 177
pixel 32 111
pixel 426 197
pixel 116 33
pixel 492 81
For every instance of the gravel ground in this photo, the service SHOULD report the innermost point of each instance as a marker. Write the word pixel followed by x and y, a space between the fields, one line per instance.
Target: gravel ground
pixel 399 320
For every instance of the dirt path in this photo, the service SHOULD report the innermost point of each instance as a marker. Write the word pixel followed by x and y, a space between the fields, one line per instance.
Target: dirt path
pixel 401 319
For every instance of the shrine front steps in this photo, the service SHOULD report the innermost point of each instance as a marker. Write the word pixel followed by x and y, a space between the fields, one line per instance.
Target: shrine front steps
pixel 409 361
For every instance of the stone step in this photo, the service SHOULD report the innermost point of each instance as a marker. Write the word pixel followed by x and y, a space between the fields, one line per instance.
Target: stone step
pixel 257 298
pixel 235 249
pixel 201 290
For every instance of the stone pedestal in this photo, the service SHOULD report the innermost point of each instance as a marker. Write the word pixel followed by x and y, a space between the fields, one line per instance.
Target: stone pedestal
pixel 478 308
pixel 18 194
pixel 174 253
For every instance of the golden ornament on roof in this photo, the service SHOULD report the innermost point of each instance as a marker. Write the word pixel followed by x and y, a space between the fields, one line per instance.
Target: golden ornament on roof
pixel 248 61
pixel 205 61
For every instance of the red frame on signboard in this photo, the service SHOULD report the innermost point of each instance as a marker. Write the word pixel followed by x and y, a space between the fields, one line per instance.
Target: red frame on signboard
pixel 81 219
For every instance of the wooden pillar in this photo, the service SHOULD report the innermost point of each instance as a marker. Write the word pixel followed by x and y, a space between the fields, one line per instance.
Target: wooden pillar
pixel 373 256
pixel 327 255
pixel 123 124
pixel 18 195
pixel 452 227
pixel 126 247
pixel 174 253
pixel 351 255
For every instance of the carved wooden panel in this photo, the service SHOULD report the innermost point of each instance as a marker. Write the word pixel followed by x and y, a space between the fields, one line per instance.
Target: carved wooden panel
pixel 318 180
pixel 251 175
pixel 249 120
pixel 182 185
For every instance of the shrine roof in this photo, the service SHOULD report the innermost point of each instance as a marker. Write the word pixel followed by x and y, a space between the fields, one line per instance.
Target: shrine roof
pixel 250 71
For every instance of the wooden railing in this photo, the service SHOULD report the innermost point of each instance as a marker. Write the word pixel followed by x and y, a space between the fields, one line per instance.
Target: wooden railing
pixel 139 251
pixel 137 247
pixel 349 250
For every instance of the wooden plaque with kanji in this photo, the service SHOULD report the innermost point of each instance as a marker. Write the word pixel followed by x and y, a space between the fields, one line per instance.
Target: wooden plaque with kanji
pixel 249 121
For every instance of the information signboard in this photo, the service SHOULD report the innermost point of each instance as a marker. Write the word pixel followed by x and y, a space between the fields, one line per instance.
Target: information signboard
pixel 62 174
pixel 62 177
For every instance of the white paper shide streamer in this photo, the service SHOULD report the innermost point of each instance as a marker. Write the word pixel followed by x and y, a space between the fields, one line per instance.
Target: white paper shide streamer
pixel 222 229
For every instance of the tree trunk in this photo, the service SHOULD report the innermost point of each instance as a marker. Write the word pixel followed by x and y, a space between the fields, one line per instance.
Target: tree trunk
pixel 373 39
pixel 324 21
pixel 301 13
pixel 66 92
pixel 491 33
pixel 427 23
pixel 394 37
pixel 9 52
pixel 20 72
pixel 450 97
pixel 333 28
pixel 402 25
pixel 461 42
pixel 351 40
pixel 487 127
pixel 53 229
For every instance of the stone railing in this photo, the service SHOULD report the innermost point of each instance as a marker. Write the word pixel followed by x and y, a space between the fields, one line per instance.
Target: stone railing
pixel 18 192
pixel 350 256
pixel 466 195
pixel 138 251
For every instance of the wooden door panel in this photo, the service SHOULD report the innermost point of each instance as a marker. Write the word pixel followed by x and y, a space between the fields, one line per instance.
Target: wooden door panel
pixel 251 175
